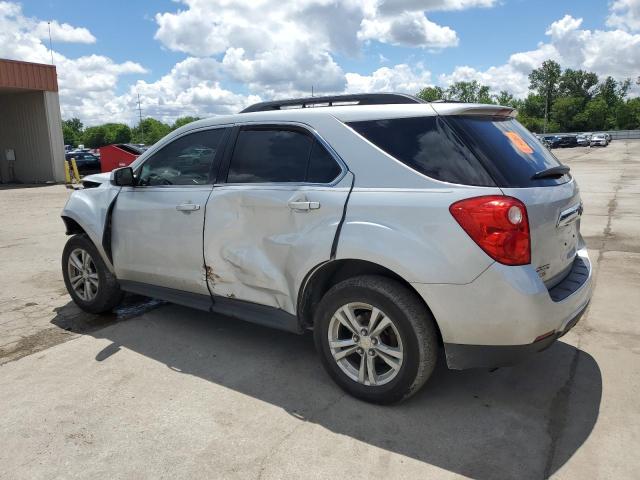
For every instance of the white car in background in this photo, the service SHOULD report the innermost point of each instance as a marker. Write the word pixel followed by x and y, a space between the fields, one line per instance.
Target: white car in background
pixel 391 228
pixel 599 139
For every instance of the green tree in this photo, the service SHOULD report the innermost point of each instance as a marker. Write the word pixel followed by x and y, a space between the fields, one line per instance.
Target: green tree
pixel 628 114
pixel 95 137
pixel 564 111
pixel 545 82
pixel 72 131
pixel 594 115
pixel 578 83
pixel 150 130
pixel 117 133
pixel 469 92
pixel 182 121
pixel 505 98
pixel 430 94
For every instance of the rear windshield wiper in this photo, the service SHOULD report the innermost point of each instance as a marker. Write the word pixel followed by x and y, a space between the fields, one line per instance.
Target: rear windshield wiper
pixel 552 172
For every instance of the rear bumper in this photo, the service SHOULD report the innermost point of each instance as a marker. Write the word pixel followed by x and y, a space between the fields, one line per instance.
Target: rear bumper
pixel 506 313
pixel 462 357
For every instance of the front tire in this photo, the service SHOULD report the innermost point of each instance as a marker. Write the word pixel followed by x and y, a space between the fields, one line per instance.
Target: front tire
pixel 376 339
pixel 88 280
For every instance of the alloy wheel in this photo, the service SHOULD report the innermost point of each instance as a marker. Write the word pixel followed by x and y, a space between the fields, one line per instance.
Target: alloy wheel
pixel 366 344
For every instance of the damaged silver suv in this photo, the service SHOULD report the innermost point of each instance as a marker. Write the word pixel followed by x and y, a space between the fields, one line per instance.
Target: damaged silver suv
pixel 392 228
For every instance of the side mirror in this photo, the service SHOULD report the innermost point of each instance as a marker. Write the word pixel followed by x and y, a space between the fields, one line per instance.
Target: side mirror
pixel 123 177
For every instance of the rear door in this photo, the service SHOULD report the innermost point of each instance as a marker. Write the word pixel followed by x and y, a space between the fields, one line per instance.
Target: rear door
pixel 276 214
pixel 158 224
pixel 516 160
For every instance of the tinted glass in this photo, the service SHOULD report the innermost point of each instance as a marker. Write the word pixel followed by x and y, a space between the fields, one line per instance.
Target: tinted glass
pixel 185 161
pixel 427 145
pixel 270 156
pixel 510 152
pixel 322 166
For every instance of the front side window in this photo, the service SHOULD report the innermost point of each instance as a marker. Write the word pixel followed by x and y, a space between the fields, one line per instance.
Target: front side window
pixel 188 160
pixel 280 155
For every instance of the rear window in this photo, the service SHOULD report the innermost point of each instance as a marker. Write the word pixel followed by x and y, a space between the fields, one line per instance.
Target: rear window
pixel 427 145
pixel 465 149
pixel 510 153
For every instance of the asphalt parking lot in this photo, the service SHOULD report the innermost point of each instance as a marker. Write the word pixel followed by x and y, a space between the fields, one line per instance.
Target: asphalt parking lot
pixel 160 391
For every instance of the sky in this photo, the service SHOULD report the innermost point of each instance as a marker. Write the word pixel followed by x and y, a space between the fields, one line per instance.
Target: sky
pixel 210 57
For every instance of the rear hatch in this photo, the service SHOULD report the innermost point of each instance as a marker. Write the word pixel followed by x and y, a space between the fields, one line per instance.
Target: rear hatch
pixel 523 168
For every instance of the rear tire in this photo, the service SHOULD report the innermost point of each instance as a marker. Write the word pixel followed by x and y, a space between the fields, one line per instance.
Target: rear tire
pixel 378 365
pixel 88 280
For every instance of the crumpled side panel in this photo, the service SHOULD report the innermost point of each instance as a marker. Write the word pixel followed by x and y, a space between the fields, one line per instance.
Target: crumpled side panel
pixel 89 208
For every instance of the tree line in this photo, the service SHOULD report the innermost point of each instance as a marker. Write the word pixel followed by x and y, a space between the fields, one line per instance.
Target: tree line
pixel 149 131
pixel 558 101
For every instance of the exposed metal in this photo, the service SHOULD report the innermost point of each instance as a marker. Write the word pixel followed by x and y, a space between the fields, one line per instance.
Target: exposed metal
pixel 366 344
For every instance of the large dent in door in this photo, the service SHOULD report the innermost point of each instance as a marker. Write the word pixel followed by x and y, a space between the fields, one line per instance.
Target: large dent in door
pixel 89 208
pixel 258 249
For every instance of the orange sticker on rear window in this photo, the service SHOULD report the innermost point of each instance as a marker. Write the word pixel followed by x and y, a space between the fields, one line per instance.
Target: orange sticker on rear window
pixel 519 143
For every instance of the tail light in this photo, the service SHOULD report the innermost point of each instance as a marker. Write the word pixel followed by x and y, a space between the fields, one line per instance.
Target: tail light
pixel 498 224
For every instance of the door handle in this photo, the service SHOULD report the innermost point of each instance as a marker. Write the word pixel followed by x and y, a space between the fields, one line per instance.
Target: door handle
pixel 187 207
pixel 304 205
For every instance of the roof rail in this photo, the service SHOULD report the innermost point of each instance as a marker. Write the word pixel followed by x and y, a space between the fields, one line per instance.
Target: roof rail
pixel 334 100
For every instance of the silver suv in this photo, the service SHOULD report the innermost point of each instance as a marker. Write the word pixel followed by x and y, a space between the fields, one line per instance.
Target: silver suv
pixel 392 228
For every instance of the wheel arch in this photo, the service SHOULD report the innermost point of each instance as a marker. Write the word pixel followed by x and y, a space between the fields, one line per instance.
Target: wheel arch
pixel 327 274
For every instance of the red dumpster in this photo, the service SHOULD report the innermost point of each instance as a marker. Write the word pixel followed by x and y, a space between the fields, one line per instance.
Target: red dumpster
pixel 119 155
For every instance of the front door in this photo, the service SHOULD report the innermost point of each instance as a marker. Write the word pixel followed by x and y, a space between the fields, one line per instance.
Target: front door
pixel 276 215
pixel 157 225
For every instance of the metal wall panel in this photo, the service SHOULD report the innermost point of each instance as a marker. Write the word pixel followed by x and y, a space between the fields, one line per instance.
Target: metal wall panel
pixel 29 76
pixel 30 125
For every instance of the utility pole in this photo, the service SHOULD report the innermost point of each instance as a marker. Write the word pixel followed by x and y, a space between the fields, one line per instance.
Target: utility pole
pixel 50 43
pixel 140 124
pixel 312 90
pixel 546 109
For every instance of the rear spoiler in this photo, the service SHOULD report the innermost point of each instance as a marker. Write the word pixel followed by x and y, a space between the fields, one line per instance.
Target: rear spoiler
pixel 473 109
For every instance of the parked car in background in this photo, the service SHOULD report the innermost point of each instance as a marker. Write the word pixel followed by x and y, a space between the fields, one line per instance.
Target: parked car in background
pixel 583 139
pixel 341 220
pixel 87 163
pixel 599 139
pixel 608 137
pixel 567 141
pixel 552 141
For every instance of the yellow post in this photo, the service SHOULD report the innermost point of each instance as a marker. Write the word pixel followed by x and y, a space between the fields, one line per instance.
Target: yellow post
pixel 76 174
pixel 67 174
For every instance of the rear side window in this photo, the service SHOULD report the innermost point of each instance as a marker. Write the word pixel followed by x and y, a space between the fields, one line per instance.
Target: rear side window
pixel 427 145
pixel 276 155
pixel 322 167
pixel 511 153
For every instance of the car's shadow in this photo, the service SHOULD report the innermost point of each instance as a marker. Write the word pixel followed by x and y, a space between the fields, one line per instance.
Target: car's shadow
pixel 519 422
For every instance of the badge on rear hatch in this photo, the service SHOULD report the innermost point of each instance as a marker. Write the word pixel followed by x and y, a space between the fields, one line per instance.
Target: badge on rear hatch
pixel 569 215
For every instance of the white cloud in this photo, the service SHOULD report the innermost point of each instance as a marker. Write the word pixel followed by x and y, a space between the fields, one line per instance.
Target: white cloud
pixel 86 84
pixel 410 29
pixel 625 14
pixel 611 52
pixel 395 6
pixel 63 32
pixel 400 78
